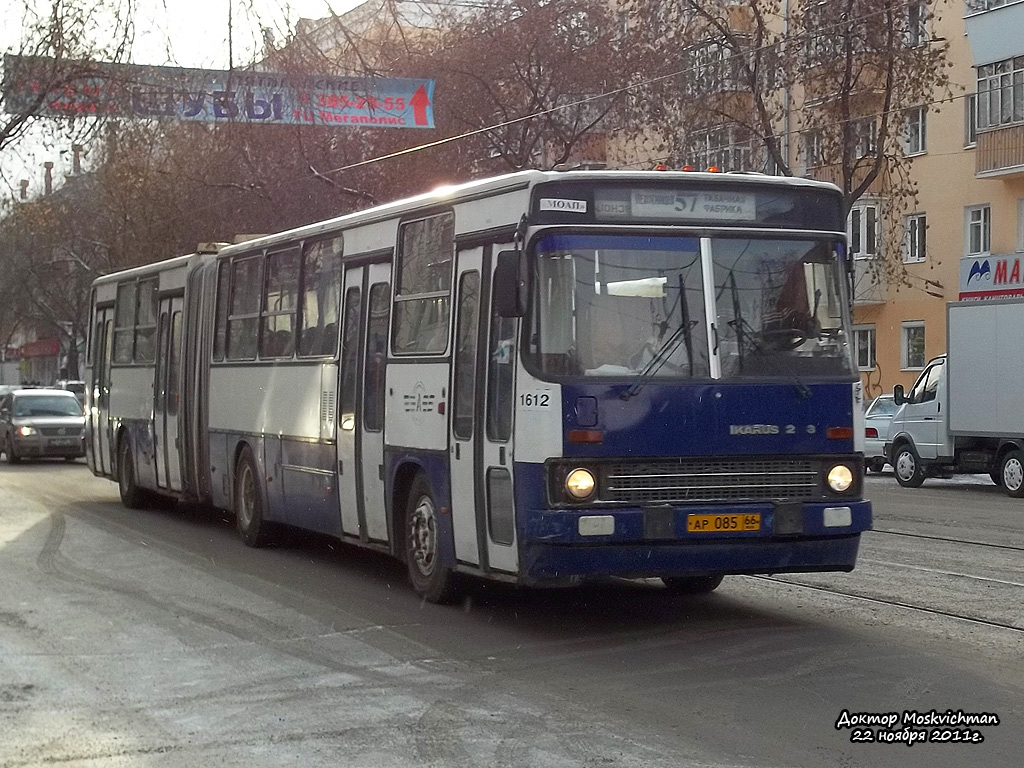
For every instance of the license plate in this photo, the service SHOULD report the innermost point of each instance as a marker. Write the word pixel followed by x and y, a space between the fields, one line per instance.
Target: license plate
pixel 63 443
pixel 722 523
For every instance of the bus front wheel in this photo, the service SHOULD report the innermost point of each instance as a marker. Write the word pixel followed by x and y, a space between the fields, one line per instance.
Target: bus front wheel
pixel 430 577
pixel 254 530
pixel 132 496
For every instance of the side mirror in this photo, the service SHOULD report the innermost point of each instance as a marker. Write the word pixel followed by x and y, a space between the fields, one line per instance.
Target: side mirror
pixel 509 285
pixel 898 396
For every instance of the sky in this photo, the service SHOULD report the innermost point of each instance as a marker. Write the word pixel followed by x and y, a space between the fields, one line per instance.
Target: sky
pixel 194 33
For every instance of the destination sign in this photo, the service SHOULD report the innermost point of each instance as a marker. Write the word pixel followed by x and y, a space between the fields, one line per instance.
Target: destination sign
pixel 674 204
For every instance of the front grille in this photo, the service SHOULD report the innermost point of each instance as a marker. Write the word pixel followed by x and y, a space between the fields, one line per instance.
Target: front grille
pixel 61 431
pixel 690 480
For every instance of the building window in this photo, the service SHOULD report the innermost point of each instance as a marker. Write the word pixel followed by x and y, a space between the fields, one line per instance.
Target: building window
pixel 727 148
pixel 917 23
pixel 865 138
pixel 863 230
pixel 978 230
pixel 971 120
pixel 812 149
pixel 915 135
pixel 912 348
pixel 864 346
pixel 1020 224
pixel 1001 93
pixel 914 228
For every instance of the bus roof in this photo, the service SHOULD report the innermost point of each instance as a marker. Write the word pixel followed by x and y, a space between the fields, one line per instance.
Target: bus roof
pixel 497 185
pixel 472 190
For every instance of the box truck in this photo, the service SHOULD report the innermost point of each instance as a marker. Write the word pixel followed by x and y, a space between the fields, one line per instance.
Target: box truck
pixel 965 413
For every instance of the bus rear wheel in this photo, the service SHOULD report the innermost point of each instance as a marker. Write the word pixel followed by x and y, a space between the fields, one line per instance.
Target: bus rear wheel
pixel 692 585
pixel 132 496
pixel 430 577
pixel 249 506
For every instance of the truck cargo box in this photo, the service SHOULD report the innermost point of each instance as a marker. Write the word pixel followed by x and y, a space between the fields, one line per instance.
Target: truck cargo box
pixel 985 367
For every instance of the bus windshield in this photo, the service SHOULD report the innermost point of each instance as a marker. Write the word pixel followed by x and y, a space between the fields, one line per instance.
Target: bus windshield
pixel 617 306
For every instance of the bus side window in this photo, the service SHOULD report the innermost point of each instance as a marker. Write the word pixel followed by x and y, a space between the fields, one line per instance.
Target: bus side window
pixel 223 305
pixel 320 297
pixel 423 286
pixel 280 299
pixel 243 322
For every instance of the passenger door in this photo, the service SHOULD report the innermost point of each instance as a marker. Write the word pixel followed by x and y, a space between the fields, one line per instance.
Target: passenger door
pixel 367 302
pixel 166 395
pixel 465 413
pixel 99 392
pixel 482 386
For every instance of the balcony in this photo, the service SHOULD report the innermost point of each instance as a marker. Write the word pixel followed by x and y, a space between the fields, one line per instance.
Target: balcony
pixel 868 282
pixel 1000 152
pixel 994 32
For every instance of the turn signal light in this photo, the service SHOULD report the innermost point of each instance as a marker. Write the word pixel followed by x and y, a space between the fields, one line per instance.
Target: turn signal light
pixel 839 433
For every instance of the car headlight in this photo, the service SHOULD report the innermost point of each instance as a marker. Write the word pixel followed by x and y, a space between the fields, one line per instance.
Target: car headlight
pixel 26 431
pixel 580 484
pixel 840 478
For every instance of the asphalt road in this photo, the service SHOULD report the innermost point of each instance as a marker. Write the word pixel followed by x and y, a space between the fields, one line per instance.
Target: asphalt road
pixel 155 638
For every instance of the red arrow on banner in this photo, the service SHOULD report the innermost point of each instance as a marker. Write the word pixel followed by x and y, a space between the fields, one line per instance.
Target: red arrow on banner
pixel 420 101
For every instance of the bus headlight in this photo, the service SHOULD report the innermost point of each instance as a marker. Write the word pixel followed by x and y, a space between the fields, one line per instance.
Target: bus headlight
pixel 840 478
pixel 580 484
pixel 26 431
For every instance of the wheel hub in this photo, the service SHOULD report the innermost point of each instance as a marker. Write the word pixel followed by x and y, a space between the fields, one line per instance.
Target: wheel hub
pixel 423 535
pixel 1013 474
pixel 905 465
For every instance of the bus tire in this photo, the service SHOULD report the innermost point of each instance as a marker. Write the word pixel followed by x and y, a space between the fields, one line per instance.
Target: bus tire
pixel 12 457
pixel 1012 473
pixel 249 505
pixel 132 496
pixel 432 579
pixel 906 466
pixel 692 585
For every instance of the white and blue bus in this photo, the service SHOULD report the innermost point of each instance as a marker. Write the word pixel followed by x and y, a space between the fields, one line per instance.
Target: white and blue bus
pixel 538 378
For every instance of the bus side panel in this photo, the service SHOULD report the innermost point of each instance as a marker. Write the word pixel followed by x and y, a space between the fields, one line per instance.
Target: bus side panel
pixel 264 403
pixel 309 486
pixel 220 470
pixel 131 405
pixel 416 412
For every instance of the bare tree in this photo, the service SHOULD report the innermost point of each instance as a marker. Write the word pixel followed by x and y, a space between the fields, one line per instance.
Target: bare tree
pixel 817 88
pixel 538 79
pixel 56 61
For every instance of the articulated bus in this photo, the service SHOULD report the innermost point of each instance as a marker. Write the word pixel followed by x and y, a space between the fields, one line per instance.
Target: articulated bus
pixel 538 378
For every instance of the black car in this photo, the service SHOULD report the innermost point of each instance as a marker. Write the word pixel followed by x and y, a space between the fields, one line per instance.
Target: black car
pixel 41 422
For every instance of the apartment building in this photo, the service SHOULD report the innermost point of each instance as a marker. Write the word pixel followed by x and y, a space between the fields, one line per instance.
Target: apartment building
pixel 962 148
pixel 967 233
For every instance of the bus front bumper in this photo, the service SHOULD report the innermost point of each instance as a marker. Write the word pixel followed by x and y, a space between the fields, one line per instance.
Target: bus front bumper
pixel 634 543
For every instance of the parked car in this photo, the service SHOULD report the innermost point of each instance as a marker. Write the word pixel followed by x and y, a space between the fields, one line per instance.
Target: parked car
pixel 41 422
pixel 876 426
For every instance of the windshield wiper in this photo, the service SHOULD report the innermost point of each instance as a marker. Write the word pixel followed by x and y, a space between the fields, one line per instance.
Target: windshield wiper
pixel 661 355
